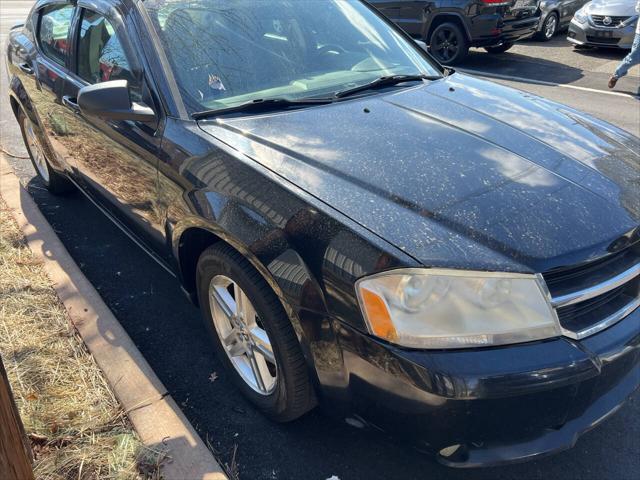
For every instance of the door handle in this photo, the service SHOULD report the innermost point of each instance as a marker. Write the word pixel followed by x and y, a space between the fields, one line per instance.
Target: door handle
pixel 71 102
pixel 26 68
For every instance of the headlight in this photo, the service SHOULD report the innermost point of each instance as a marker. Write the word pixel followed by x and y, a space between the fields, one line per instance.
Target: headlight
pixel 439 308
pixel 580 16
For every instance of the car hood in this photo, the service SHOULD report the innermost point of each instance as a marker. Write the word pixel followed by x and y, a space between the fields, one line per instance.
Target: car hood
pixel 613 8
pixel 459 172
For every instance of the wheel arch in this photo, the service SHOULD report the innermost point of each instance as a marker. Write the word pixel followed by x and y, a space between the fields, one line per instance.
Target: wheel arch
pixel 188 245
pixel 19 100
pixel 445 17
pixel 552 12
pixel 15 106
pixel 194 235
pixel 545 15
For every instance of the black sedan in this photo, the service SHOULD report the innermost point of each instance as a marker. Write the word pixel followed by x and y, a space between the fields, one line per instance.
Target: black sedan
pixel 443 256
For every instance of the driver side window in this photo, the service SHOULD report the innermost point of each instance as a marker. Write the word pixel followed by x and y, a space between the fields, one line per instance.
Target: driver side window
pixel 101 55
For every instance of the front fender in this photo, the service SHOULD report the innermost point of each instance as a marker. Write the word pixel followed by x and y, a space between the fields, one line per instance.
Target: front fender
pixel 311 255
pixel 282 268
pixel 264 255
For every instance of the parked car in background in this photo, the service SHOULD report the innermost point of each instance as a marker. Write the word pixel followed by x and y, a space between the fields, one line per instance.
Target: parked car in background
pixel 555 15
pixel 604 23
pixel 453 261
pixel 450 28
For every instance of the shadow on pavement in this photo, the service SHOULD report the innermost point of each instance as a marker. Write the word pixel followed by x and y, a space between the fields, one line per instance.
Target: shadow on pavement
pixel 548 62
pixel 606 53
pixel 518 65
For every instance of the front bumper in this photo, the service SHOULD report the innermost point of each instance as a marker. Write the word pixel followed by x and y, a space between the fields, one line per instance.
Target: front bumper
pixel 492 406
pixel 587 34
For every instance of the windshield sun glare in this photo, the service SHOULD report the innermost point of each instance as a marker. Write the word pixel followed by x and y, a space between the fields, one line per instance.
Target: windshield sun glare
pixel 225 53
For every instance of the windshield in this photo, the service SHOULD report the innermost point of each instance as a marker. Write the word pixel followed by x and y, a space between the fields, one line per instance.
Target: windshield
pixel 225 53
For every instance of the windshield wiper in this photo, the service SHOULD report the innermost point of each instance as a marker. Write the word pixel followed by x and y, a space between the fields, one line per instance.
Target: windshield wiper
pixel 261 105
pixel 384 82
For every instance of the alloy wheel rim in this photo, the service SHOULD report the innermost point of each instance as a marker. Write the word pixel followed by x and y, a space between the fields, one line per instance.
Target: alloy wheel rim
pixel 446 44
pixel 550 30
pixel 33 145
pixel 242 335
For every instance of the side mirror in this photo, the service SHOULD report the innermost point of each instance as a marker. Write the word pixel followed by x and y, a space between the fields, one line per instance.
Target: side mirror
pixel 421 44
pixel 111 100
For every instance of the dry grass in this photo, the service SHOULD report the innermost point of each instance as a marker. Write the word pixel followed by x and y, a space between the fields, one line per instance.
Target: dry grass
pixel 76 427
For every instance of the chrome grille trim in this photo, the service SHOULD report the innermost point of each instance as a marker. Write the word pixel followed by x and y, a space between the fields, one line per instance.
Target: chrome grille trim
pixel 616 21
pixel 587 293
pixel 605 323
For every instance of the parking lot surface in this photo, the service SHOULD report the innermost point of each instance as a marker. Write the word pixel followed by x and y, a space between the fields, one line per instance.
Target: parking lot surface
pixel 169 332
pixel 557 71
pixel 557 61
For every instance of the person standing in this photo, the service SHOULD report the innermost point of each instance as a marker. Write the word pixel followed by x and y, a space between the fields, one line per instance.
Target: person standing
pixel 630 60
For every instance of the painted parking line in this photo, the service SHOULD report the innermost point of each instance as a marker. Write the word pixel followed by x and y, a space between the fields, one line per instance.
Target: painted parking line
pixel 482 73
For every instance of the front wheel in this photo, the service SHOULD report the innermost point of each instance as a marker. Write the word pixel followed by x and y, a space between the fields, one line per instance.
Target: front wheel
pixel 448 44
pixel 503 47
pixel 252 334
pixel 549 28
pixel 55 182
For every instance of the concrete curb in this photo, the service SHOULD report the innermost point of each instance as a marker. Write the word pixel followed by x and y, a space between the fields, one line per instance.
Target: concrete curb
pixel 154 414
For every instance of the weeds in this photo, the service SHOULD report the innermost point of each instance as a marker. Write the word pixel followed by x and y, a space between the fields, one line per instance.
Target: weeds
pixel 75 425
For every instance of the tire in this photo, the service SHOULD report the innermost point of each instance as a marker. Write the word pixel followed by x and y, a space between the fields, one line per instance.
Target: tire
pixel 291 393
pixel 549 28
pixel 448 44
pixel 503 47
pixel 55 182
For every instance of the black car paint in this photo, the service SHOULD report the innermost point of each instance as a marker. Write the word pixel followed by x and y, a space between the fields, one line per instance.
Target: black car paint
pixel 484 24
pixel 502 405
pixel 523 167
pixel 512 183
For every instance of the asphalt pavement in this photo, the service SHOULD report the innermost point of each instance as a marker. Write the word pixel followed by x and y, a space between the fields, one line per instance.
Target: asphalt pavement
pixel 559 62
pixel 558 71
pixel 168 330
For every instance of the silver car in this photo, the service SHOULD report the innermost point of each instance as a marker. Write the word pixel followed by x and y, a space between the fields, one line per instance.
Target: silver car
pixel 555 15
pixel 604 23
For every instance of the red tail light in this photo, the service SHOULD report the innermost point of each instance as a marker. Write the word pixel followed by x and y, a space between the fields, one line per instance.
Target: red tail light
pixel 496 2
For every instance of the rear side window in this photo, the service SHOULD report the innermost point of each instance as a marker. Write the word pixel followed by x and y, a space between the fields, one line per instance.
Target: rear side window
pixel 101 56
pixel 53 33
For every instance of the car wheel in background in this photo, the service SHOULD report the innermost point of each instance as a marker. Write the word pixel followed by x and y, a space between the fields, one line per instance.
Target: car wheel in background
pixel 448 44
pixel 503 47
pixel 252 334
pixel 549 28
pixel 55 182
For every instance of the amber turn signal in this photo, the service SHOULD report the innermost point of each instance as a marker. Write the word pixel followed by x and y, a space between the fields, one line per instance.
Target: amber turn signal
pixel 378 316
